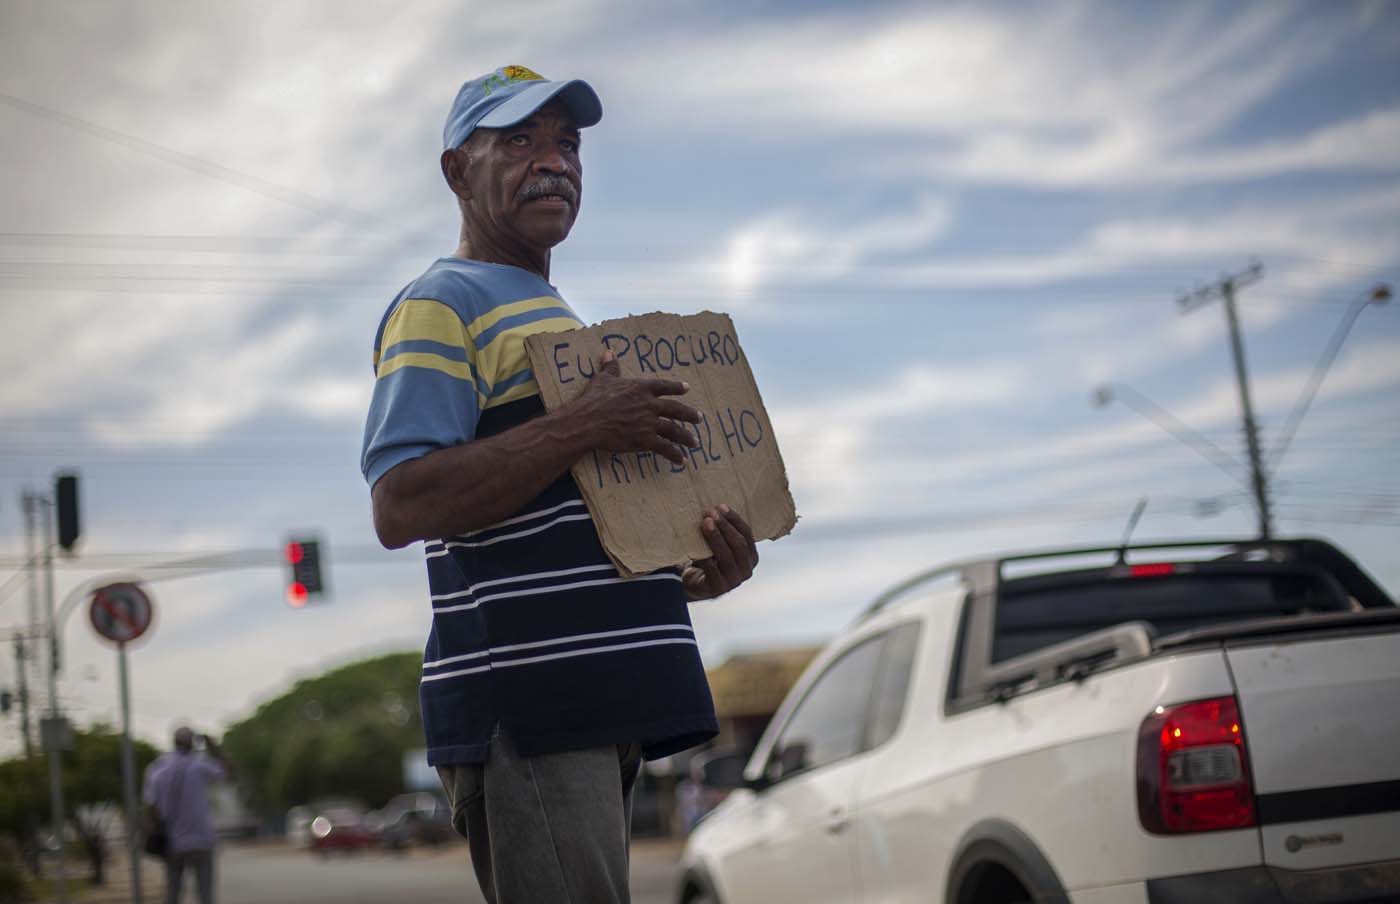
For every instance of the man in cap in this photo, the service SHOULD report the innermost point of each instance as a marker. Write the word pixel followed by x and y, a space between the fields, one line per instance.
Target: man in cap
pixel 547 677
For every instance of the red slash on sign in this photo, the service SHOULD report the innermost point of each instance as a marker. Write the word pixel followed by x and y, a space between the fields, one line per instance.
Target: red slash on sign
pixel 121 612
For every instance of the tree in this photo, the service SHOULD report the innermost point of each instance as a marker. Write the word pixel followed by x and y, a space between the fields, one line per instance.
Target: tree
pixel 343 733
pixel 92 792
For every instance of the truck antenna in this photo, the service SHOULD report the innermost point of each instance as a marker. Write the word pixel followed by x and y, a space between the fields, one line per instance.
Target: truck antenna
pixel 1128 534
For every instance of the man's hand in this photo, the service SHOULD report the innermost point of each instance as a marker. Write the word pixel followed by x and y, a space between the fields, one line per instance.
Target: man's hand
pixel 624 414
pixel 479 483
pixel 735 556
pixel 212 748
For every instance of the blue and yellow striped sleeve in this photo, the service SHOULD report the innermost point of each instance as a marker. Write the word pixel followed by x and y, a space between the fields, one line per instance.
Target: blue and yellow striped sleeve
pixel 428 393
pixel 498 338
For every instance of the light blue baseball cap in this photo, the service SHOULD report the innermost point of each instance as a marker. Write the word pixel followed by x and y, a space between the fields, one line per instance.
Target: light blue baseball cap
pixel 510 94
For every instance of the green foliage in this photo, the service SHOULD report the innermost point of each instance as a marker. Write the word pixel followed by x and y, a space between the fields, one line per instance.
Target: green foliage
pixel 14 885
pixel 92 789
pixel 92 775
pixel 23 795
pixel 92 771
pixel 343 733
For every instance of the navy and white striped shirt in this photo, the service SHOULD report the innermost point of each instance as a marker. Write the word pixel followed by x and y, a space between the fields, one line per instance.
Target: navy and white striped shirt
pixel 533 627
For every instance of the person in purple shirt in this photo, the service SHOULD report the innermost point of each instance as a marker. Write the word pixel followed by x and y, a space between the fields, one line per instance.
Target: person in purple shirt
pixel 176 787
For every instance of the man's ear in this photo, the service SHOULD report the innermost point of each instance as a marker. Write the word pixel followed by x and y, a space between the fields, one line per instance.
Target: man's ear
pixel 454 170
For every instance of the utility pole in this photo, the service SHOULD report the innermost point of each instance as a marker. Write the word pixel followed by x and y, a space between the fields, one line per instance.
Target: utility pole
pixel 1225 290
pixel 29 503
pixel 57 734
pixel 21 666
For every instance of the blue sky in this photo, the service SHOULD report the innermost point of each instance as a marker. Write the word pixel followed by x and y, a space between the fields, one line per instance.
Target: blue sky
pixel 938 228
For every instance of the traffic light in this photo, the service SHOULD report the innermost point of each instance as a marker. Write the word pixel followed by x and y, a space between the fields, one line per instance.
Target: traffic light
pixel 65 491
pixel 304 580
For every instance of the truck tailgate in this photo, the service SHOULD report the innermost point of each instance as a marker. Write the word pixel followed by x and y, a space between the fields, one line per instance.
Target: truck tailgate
pixel 1322 727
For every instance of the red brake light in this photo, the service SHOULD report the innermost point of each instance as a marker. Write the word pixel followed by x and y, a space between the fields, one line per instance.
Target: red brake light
pixel 1151 569
pixel 1193 769
pixel 296 595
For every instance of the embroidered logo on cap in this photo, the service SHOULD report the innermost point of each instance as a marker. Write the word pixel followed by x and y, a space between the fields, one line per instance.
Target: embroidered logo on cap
pixel 509 75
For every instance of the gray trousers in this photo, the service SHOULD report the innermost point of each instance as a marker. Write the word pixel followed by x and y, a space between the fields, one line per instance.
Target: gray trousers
pixel 202 862
pixel 550 829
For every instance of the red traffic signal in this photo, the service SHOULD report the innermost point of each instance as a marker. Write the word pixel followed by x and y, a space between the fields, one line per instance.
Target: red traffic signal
pixel 304 579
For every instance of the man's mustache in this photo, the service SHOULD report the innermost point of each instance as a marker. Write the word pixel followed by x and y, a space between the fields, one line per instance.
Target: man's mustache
pixel 550 185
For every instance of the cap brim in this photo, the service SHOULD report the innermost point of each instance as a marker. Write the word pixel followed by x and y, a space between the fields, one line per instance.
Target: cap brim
pixel 580 99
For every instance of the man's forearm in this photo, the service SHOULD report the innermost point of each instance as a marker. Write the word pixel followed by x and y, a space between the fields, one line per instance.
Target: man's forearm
pixel 474 485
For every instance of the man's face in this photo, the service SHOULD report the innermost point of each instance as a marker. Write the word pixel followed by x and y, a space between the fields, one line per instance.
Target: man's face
pixel 525 182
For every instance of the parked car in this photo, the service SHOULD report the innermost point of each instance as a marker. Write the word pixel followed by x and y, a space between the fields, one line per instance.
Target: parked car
pixel 1170 723
pixel 297 824
pixel 417 818
pixel 341 829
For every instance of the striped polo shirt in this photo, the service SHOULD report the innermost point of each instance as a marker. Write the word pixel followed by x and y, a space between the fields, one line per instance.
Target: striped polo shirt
pixel 533 628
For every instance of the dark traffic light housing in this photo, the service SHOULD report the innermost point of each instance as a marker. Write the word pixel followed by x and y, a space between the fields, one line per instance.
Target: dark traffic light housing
pixel 304 563
pixel 65 492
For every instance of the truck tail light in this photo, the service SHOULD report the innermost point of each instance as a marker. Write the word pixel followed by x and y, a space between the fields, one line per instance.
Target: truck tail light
pixel 1193 769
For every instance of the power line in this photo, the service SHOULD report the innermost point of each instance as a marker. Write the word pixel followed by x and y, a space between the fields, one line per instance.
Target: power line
pixel 246 181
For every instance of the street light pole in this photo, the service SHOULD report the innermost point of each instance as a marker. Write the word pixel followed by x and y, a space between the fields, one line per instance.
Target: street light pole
pixel 1225 290
pixel 1170 424
pixel 1379 294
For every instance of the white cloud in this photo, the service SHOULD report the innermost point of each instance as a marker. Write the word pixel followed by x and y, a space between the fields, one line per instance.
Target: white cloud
pixel 1069 95
pixel 785 247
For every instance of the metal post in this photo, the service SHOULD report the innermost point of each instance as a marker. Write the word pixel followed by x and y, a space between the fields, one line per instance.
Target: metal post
pixel 129 777
pixel 1257 478
pixel 28 502
pixel 21 667
pixel 54 754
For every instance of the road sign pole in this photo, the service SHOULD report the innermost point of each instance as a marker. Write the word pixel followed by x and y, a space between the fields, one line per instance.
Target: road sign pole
pixel 121 612
pixel 133 824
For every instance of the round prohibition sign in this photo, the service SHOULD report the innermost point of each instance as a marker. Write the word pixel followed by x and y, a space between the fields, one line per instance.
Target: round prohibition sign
pixel 120 612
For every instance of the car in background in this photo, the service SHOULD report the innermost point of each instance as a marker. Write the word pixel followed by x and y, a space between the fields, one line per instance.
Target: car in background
pixel 417 818
pixel 341 829
pixel 297 825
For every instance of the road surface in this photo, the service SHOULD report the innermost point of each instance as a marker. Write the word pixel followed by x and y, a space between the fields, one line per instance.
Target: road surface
pixel 275 874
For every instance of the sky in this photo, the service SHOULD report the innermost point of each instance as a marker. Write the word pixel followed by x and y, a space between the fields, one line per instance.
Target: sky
pixel 939 228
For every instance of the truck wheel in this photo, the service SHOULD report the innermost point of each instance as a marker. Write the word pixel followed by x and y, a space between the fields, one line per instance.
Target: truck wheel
pixel 697 892
pixel 996 885
pixel 998 864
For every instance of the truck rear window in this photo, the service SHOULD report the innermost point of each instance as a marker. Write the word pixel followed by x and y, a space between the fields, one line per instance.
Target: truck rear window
pixel 1033 613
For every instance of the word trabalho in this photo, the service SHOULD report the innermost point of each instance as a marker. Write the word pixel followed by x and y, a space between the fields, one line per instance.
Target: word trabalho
pixel 731 432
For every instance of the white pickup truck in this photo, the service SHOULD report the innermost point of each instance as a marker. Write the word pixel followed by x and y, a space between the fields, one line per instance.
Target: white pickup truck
pixel 1196 722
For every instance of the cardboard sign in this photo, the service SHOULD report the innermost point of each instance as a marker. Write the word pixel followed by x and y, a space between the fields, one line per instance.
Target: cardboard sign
pixel 647 509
